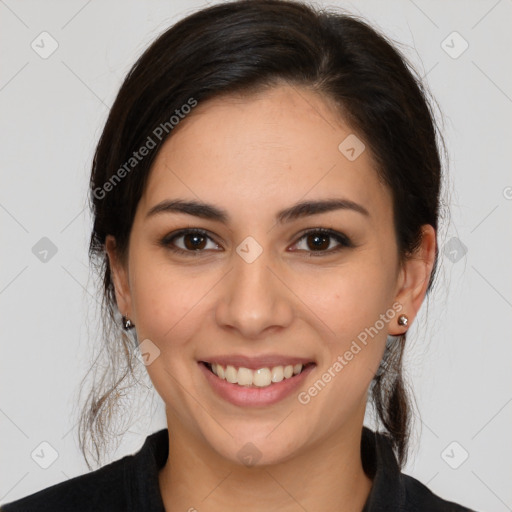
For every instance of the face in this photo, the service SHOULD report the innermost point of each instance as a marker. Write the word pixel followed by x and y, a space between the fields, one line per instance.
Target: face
pixel 244 278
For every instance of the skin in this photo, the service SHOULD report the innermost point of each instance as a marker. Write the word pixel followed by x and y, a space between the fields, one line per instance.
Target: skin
pixel 254 156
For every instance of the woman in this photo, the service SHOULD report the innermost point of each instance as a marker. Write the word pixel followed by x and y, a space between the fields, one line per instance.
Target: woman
pixel 265 197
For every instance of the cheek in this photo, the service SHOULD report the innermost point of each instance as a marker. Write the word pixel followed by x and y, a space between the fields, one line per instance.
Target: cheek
pixel 352 348
pixel 348 298
pixel 170 309
pixel 352 309
pixel 168 304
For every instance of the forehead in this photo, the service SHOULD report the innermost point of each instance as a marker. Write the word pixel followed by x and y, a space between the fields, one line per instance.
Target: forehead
pixel 263 151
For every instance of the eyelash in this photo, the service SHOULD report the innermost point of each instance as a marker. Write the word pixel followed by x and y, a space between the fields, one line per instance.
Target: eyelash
pixel 343 240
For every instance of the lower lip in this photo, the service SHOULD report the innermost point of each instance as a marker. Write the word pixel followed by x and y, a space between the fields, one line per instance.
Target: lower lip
pixel 254 396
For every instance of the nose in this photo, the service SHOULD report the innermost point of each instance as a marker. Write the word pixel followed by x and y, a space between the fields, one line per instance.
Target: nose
pixel 254 299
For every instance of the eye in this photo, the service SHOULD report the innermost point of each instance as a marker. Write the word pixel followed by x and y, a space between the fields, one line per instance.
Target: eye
pixel 188 241
pixel 319 240
pixel 195 241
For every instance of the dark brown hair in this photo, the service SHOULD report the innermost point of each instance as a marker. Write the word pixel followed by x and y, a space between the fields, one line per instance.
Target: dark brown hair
pixel 242 47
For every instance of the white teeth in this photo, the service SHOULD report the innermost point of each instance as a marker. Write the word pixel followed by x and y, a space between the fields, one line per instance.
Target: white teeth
pixel 277 374
pixel 220 370
pixel 244 377
pixel 288 371
pixel 231 374
pixel 261 377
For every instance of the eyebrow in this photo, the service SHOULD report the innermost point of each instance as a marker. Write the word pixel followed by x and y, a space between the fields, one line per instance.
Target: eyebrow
pixel 299 210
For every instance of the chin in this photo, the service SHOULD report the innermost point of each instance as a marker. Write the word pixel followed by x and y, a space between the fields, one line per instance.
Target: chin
pixel 256 448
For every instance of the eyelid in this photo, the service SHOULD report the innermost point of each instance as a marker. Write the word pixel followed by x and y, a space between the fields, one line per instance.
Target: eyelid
pixel 343 240
pixel 166 241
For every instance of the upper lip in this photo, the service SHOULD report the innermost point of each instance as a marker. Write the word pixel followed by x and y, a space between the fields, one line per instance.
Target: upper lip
pixel 254 363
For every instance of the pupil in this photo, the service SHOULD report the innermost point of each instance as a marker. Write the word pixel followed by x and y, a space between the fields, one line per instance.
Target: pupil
pixel 317 241
pixel 195 241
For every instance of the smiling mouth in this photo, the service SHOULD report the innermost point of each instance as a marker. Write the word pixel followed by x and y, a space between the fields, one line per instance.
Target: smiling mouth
pixel 260 378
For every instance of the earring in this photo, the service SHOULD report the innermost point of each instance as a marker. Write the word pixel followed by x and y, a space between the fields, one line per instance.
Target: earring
pixel 403 320
pixel 127 323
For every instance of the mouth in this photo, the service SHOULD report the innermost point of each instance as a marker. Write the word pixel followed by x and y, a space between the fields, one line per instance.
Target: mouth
pixel 264 377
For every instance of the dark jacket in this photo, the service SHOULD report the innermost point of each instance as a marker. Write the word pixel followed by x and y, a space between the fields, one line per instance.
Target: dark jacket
pixel 131 484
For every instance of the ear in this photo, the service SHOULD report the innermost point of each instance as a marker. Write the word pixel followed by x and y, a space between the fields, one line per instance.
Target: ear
pixel 119 275
pixel 414 277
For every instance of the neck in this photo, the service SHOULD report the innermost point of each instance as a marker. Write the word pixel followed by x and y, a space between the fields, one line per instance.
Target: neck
pixel 328 476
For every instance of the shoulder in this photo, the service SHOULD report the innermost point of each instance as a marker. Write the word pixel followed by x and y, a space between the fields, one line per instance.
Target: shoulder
pixel 420 498
pixel 100 490
pixel 127 484
pixel 392 489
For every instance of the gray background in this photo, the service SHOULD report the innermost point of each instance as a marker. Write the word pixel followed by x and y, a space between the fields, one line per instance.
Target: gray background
pixel 53 110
